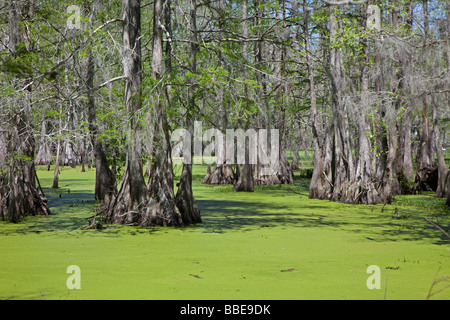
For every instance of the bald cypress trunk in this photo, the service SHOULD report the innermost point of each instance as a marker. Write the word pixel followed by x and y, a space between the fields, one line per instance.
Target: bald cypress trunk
pixel 284 174
pixel 131 205
pixel 318 183
pixel 343 165
pixel 245 179
pixel 445 184
pixel 138 203
pixel 443 172
pixel 341 157
pixel 105 182
pixel 19 194
pixel 160 183
pixel 185 201
pixel 104 178
pixel 44 155
pixel 363 186
pixel 222 172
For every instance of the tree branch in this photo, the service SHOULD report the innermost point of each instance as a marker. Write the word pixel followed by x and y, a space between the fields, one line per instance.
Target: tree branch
pixel 105 24
pixel 98 87
pixel 343 2
pixel 434 224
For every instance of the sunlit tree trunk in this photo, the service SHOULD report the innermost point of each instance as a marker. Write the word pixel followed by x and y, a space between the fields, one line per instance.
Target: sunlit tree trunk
pixel 104 178
pixel 318 183
pixel 245 180
pixel 132 197
pixel 138 203
pixel 20 195
pixel 160 182
pixel 222 172
pixel 185 201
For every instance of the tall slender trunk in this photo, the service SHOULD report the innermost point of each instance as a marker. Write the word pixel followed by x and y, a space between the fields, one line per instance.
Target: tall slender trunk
pixel 185 201
pixel 342 160
pixel 391 185
pixel 245 180
pixel 132 197
pixel 104 177
pixel 222 172
pixel 316 189
pixel 363 184
pixel 407 168
pixel 285 174
pixel 443 172
pixel 44 156
pixel 160 182
pixel 425 158
pixel 105 184
pixel 55 184
pixel 262 176
pixel 447 95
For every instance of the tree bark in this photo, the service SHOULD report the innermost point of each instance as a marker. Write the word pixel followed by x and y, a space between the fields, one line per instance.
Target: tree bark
pixel 185 202
pixel 443 172
pixel 104 177
pixel 44 155
pixel 317 186
pixel 58 152
pixel 245 179
pixel 364 189
pixel 343 168
pixel 160 182
pixel 222 172
pixel 390 184
pixel 19 194
pixel 285 174
pixel 342 163
pixel 295 163
pixel 131 205
pixel 105 184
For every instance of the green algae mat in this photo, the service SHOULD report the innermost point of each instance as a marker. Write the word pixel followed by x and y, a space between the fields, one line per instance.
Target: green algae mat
pixel 273 244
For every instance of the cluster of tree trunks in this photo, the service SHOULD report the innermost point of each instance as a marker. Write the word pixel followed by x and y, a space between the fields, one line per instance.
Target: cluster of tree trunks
pixel 357 158
pixel 245 176
pixel 154 203
pixel 371 169
pixel 19 193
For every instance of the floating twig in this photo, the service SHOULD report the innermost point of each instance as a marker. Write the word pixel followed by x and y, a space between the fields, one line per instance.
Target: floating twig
pixel 437 226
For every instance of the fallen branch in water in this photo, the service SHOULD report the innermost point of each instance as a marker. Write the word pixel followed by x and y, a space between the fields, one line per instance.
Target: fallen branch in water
pixel 437 226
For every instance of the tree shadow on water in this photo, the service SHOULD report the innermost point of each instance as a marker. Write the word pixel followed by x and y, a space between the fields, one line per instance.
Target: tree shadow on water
pixel 220 216
pixel 225 215
pixel 69 211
